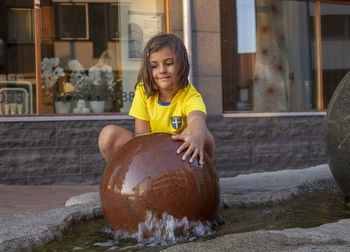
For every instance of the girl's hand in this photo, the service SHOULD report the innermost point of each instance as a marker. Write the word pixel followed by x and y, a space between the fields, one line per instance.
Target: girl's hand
pixel 194 143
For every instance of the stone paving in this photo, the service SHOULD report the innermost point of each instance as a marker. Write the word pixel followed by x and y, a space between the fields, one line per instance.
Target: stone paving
pixel 19 199
pixel 28 230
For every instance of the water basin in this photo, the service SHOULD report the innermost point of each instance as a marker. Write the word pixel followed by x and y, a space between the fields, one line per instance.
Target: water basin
pixel 310 210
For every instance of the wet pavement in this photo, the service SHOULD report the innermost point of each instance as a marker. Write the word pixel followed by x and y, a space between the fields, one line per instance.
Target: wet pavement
pixel 20 199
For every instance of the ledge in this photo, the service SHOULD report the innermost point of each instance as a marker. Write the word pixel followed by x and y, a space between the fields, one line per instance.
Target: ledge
pixel 72 117
pixel 274 114
pixel 64 118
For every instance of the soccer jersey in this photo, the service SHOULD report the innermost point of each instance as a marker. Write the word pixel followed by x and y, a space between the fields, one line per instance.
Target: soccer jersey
pixel 166 117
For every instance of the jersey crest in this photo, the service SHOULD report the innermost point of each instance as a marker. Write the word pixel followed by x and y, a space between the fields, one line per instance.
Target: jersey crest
pixel 176 122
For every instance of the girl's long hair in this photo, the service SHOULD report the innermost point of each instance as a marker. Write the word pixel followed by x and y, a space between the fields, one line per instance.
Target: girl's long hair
pixel 181 61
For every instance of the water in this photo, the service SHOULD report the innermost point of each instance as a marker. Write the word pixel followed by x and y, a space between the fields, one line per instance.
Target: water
pixel 310 210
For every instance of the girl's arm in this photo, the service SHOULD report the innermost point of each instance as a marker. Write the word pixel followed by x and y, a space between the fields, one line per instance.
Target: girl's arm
pixel 194 136
pixel 141 127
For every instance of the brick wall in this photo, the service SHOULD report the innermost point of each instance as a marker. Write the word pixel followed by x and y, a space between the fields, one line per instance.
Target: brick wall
pixel 66 152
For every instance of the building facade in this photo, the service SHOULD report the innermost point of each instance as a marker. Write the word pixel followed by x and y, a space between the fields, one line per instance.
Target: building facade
pixel 266 70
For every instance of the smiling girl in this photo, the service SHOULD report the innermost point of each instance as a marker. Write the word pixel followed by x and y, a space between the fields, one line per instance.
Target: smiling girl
pixel 164 101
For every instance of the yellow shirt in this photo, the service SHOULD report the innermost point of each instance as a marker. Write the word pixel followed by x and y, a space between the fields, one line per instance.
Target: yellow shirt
pixel 166 117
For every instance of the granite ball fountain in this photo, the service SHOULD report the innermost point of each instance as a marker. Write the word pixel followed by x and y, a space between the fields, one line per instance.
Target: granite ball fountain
pixel 147 174
pixel 337 135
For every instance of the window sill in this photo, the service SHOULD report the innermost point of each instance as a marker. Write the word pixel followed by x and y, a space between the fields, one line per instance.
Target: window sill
pixel 273 114
pixel 70 117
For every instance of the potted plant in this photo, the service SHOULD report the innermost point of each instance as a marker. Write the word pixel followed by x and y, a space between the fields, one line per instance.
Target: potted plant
pixel 97 106
pixel 63 103
pixel 101 80
pixel 82 87
pixel 50 75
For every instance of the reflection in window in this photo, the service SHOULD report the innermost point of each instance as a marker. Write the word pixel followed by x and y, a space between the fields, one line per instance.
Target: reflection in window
pixel 114 32
pixel 71 21
pixel 335 26
pixel 335 23
pixel 20 25
pixel 246 26
pixel 284 70
pixel 279 76
pixel 86 68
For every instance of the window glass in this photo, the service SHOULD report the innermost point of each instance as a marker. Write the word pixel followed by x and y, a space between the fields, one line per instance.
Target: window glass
pixel 20 25
pixel 278 74
pixel 71 21
pixel 114 32
pixel 335 21
pixel 17 58
pixel 98 74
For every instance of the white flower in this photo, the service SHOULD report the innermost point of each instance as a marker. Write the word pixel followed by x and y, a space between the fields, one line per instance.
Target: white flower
pixel 94 75
pixel 96 78
pixel 77 77
pixel 50 71
pixel 106 68
pixel 75 65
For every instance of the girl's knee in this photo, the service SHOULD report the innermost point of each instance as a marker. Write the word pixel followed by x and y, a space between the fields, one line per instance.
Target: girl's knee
pixel 106 137
pixel 111 138
pixel 108 132
pixel 114 132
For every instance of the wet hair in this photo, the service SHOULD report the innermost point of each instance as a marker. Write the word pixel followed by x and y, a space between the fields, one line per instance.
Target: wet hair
pixel 181 61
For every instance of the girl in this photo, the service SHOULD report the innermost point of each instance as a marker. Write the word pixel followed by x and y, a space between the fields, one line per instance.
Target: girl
pixel 164 102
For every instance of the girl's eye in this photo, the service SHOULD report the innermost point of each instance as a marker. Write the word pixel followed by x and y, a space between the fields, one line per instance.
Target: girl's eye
pixel 153 66
pixel 170 63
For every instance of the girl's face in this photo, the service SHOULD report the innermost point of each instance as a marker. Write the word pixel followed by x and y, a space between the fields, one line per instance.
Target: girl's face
pixel 163 69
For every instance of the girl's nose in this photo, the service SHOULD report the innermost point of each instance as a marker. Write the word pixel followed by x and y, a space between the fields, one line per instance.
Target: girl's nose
pixel 162 68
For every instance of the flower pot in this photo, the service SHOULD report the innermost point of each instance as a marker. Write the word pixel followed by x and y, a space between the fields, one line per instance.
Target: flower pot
pixel 97 106
pixel 62 107
pixel 108 106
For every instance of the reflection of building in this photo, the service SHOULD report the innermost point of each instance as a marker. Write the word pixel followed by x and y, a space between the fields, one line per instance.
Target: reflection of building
pixel 266 105
pixel 165 180
pixel 135 41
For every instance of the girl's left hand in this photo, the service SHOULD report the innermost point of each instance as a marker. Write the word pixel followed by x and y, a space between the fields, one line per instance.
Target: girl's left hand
pixel 194 143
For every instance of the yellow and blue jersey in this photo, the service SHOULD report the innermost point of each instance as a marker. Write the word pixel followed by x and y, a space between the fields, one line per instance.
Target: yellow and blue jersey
pixel 166 117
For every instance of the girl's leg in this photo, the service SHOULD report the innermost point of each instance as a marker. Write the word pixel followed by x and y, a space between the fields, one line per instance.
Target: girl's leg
pixel 209 145
pixel 111 138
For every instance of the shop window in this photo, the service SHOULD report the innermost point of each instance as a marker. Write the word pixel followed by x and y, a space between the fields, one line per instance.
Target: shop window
pixel 268 66
pixel 17 60
pixel 71 21
pixel 20 26
pixel 271 65
pixel 335 23
pixel 89 68
pixel 114 22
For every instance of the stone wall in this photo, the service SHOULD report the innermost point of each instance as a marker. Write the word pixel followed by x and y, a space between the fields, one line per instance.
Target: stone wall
pixel 250 145
pixel 66 152
pixel 61 152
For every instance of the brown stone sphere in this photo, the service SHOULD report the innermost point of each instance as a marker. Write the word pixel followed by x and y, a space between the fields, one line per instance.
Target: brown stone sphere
pixel 148 174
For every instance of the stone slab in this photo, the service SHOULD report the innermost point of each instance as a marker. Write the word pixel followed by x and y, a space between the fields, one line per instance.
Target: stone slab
pixel 328 237
pixel 27 231
pixel 273 187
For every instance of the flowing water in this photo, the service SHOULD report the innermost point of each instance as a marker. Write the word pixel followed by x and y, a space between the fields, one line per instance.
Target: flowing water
pixel 310 210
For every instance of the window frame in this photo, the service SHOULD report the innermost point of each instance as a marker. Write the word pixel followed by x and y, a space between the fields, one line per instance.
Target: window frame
pixel 32 30
pixel 87 37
